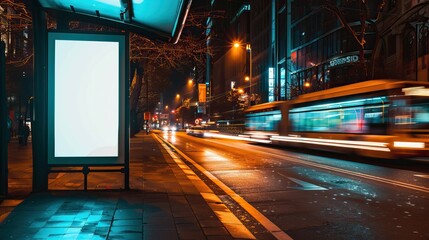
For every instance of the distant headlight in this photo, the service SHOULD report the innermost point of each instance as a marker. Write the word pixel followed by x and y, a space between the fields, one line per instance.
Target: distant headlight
pixel 165 128
pixel 173 128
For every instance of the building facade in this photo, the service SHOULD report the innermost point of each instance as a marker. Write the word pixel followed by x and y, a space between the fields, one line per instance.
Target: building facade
pixel 402 49
pixel 299 47
pixel 230 64
pixel 332 43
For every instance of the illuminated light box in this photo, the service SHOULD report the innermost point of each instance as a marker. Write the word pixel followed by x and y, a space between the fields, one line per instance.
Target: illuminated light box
pixel 86 83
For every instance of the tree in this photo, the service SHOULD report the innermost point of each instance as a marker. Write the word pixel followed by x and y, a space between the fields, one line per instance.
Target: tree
pixel 238 101
pixel 15 31
pixel 184 112
pixel 153 57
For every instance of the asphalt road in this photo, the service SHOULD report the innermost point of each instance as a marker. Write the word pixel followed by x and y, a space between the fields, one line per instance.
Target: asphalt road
pixel 311 195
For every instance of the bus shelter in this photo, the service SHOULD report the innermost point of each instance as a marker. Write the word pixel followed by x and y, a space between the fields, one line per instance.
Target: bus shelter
pixel 70 67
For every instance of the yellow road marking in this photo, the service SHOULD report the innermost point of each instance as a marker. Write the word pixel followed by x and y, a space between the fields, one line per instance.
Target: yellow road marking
pixel 234 226
pixel 264 221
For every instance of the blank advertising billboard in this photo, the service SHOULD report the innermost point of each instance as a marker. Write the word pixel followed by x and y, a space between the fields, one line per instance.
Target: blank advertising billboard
pixel 86 82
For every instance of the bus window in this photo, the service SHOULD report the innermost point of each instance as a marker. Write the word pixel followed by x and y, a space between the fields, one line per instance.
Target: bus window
pixel 413 115
pixel 365 116
pixel 376 120
pixel 263 121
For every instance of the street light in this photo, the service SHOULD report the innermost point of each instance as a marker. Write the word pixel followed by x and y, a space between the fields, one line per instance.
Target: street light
pixel 307 84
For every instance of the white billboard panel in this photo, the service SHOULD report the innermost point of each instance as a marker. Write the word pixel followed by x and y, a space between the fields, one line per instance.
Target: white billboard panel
pixel 86 76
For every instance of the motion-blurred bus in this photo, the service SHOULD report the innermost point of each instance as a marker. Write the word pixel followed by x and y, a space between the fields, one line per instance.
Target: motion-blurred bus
pixel 377 118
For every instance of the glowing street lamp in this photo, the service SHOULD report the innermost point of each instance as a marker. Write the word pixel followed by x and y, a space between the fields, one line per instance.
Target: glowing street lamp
pixel 307 84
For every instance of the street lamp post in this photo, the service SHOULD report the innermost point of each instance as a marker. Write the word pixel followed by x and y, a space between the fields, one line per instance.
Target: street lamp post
pixel 249 77
pixel 249 49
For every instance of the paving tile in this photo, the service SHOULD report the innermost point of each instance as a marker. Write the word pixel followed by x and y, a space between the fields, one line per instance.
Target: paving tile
pixel 126 236
pixel 190 231
pixel 219 238
pixel 189 219
pixel 160 234
pixel 58 224
pixel 50 232
pixel 215 231
pixel 127 222
pixel 128 214
pixel 210 222
pixel 126 229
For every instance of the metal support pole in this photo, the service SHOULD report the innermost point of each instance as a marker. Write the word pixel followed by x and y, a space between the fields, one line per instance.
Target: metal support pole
pixel 4 131
pixel 250 69
pixel 417 51
pixel 288 48
pixel 249 49
pixel 127 115
pixel 85 171
pixel 39 120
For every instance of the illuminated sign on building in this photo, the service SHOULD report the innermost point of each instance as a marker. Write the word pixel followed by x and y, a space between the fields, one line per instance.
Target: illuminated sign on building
pixel 271 84
pixel 202 92
pixel 343 60
pixel 282 83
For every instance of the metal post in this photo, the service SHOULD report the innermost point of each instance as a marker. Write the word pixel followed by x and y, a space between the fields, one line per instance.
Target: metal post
pixel 127 115
pixel 85 171
pixel 250 69
pixel 249 49
pixel 288 47
pixel 3 128
pixel 417 51
pixel 39 120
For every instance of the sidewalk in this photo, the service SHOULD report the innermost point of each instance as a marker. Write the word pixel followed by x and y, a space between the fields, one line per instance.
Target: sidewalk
pixel 163 202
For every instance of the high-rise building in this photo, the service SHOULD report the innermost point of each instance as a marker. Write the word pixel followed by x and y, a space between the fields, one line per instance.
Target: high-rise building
pixel 299 47
pixel 230 64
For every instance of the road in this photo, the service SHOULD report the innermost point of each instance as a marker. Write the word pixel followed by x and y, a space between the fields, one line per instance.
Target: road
pixel 279 193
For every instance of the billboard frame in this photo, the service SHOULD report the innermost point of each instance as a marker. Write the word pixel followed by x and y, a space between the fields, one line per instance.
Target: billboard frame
pixel 119 163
